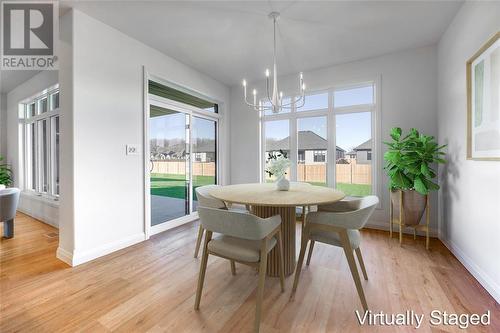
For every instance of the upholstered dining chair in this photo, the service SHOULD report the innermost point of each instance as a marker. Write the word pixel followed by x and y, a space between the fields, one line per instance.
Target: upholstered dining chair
pixel 338 225
pixel 9 198
pixel 206 200
pixel 244 238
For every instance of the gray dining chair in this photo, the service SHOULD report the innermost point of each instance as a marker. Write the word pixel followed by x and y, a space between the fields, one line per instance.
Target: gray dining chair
pixel 9 198
pixel 338 225
pixel 244 238
pixel 206 200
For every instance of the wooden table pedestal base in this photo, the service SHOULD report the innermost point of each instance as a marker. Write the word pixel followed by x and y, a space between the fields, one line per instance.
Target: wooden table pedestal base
pixel 288 236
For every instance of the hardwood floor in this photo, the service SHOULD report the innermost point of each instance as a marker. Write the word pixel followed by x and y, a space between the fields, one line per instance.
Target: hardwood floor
pixel 151 287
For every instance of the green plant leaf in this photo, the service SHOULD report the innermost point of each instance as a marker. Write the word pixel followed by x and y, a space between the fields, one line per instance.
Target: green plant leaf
pixel 420 186
pixel 424 169
pixel 396 133
pixel 431 185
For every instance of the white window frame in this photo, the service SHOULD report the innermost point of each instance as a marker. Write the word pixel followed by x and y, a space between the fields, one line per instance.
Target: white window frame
pixel 26 120
pixel 330 114
pixel 191 111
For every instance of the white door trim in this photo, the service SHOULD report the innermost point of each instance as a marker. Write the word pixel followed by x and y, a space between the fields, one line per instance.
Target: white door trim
pixel 192 112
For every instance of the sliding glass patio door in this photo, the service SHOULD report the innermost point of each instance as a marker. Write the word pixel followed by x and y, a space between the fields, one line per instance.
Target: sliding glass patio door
pixel 183 156
pixel 204 156
pixel 169 158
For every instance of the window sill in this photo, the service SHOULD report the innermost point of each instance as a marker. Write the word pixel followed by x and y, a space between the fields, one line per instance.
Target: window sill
pixel 50 201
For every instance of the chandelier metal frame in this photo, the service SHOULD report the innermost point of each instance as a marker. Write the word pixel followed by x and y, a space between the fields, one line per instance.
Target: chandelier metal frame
pixel 274 100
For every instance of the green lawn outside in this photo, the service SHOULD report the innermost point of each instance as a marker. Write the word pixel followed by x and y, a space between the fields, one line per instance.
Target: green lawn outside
pixel 355 190
pixel 174 186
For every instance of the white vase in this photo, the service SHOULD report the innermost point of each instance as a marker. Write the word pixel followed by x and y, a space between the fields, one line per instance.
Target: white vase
pixel 283 184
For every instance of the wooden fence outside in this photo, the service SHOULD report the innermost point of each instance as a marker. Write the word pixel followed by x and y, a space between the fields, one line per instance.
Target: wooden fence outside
pixel 179 167
pixel 346 173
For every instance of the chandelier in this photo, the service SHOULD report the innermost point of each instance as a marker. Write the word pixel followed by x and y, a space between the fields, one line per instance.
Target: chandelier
pixel 273 101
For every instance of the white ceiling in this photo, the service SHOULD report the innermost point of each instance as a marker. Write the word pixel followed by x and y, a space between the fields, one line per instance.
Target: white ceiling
pixel 11 79
pixel 229 40
pixel 233 40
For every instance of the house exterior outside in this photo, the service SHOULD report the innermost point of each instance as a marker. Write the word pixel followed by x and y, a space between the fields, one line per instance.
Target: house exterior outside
pixel 363 152
pixel 311 148
pixel 203 150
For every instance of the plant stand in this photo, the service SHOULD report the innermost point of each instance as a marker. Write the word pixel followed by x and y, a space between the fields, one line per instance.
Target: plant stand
pixel 400 221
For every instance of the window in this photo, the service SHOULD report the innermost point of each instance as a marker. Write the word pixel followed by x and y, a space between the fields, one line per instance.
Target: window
pixel 354 132
pixel 54 101
pixel 353 96
pixel 314 102
pixel 319 156
pixel 277 140
pixel 312 141
pixel 330 139
pixel 41 143
pixel 42 105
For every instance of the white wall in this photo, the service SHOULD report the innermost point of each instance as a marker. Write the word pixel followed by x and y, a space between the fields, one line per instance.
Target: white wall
pixel 470 196
pixel 409 99
pixel 3 125
pixel 104 74
pixel 42 209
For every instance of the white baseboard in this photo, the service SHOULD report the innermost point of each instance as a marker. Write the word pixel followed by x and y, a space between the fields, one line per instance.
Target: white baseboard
pixel 384 225
pixel 79 257
pixel 41 218
pixel 64 256
pixel 488 283
pixel 43 209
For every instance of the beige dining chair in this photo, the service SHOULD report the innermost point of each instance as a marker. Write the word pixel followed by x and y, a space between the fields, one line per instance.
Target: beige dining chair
pixel 338 225
pixel 206 200
pixel 244 238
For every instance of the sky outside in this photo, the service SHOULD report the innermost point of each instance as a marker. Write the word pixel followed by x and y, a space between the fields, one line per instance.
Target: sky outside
pixel 172 126
pixel 351 129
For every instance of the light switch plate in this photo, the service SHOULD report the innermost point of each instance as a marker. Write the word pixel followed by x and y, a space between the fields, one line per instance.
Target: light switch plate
pixel 132 149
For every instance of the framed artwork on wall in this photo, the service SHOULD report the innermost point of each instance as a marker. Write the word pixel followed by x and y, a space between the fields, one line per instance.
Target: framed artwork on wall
pixel 483 102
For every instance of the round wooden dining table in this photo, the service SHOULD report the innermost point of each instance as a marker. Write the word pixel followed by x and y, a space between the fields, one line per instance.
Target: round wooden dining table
pixel 265 200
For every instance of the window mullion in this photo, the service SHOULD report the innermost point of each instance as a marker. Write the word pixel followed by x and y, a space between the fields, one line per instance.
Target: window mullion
pixel 293 148
pixel 38 163
pixel 50 151
pixel 331 152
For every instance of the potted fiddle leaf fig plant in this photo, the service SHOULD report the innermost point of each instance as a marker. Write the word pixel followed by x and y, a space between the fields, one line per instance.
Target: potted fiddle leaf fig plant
pixel 5 174
pixel 409 162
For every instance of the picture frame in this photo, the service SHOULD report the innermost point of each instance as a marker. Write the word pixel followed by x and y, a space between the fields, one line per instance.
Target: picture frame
pixel 483 102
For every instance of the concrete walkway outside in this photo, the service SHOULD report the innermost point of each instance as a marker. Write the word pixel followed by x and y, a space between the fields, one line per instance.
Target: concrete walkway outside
pixel 165 208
